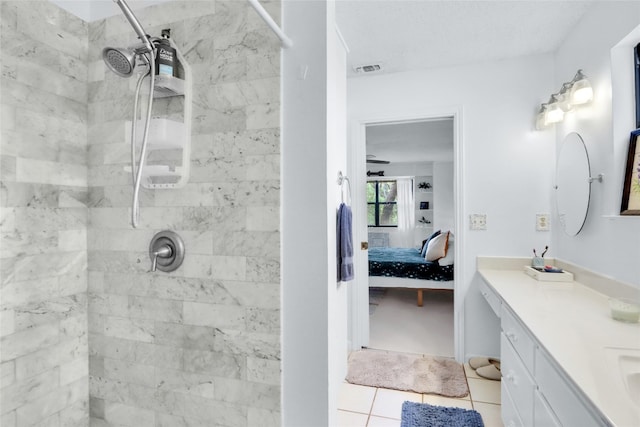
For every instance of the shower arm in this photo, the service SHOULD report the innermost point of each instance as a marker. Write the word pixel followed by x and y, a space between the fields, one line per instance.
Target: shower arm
pixel 137 27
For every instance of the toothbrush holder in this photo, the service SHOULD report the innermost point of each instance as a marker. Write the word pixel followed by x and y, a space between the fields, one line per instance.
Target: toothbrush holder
pixel 537 261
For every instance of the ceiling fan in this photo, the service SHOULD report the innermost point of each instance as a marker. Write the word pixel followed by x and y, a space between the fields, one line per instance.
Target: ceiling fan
pixel 371 160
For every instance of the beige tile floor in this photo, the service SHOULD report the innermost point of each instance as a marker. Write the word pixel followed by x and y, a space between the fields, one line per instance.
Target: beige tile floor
pixel 360 406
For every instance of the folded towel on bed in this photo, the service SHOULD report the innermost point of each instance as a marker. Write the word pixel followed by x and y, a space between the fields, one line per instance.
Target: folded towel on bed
pixel 344 244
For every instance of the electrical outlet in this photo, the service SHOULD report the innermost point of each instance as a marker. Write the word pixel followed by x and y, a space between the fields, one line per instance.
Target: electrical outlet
pixel 478 221
pixel 542 222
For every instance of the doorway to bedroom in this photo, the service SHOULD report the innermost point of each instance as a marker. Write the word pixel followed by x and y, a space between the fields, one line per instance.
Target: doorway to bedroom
pixel 410 199
pixel 410 208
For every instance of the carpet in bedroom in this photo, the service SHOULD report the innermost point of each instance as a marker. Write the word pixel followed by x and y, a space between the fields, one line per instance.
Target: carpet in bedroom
pixel 408 372
pixel 398 324
pixel 375 297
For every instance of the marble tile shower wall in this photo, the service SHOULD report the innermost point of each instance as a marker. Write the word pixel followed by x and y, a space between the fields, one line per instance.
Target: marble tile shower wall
pixel 43 195
pixel 199 346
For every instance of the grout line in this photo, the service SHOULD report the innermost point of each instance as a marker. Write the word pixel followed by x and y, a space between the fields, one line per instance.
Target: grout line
pixel 375 395
pixel 485 380
pixel 352 412
pixel 466 378
pixel 380 416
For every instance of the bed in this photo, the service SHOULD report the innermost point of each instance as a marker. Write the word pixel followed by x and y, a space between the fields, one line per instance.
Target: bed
pixel 406 268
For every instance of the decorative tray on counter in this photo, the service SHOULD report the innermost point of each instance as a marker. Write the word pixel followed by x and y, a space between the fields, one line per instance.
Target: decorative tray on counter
pixel 543 276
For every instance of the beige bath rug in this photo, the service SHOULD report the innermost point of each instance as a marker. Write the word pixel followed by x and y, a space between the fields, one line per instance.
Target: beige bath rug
pixel 408 372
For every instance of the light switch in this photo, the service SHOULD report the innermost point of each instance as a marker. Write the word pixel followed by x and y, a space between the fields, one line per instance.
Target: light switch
pixel 542 222
pixel 478 221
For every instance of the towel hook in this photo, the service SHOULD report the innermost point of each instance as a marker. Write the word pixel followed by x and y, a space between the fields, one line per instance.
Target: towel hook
pixel 341 180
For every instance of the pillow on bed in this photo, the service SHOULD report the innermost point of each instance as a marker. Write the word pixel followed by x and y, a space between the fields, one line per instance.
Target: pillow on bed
pixel 448 258
pixel 425 243
pixel 437 247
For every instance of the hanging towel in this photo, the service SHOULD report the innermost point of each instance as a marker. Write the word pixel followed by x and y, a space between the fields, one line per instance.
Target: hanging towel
pixel 344 244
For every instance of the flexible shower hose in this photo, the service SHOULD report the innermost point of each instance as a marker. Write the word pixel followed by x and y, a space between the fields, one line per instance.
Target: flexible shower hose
pixel 136 173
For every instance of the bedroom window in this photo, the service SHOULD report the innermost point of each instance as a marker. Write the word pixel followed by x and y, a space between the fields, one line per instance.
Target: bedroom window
pixel 382 206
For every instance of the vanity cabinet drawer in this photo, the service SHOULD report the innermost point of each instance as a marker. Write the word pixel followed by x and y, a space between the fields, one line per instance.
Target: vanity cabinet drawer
pixel 517 380
pixel 543 416
pixel 508 410
pixel 494 301
pixel 563 401
pixel 518 337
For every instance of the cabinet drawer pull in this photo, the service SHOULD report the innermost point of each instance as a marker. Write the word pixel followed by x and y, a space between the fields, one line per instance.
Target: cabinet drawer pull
pixel 511 423
pixel 512 336
pixel 512 378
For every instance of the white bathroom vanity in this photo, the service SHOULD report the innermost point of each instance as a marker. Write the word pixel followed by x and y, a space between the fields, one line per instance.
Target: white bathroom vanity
pixel 565 361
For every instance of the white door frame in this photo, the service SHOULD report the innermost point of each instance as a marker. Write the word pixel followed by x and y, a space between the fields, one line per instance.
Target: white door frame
pixel 359 290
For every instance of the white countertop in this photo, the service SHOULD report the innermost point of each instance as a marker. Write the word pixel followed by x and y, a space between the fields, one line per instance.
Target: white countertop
pixel 573 323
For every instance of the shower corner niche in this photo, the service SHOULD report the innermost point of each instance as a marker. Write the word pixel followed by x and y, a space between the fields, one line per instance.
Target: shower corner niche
pixel 168 159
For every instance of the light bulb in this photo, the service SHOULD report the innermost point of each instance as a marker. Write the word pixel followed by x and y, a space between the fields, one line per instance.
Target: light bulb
pixel 582 95
pixel 554 116
pixel 581 91
pixel 564 97
pixel 541 122
pixel 554 113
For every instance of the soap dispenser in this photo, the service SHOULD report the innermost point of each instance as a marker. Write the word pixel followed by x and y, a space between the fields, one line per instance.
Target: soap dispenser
pixel 165 56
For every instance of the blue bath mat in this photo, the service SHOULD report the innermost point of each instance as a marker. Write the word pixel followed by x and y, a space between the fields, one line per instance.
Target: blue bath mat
pixel 424 415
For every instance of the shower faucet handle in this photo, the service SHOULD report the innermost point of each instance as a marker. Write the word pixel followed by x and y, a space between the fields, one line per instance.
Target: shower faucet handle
pixel 164 251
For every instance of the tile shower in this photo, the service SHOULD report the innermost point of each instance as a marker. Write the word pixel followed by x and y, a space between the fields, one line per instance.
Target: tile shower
pixel 89 337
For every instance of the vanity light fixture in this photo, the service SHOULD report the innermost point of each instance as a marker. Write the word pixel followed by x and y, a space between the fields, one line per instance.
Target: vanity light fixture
pixel 581 90
pixel 564 97
pixel 554 113
pixel 541 117
pixel 574 93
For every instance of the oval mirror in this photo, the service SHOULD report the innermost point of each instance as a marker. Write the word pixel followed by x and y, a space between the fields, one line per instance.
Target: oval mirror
pixel 573 186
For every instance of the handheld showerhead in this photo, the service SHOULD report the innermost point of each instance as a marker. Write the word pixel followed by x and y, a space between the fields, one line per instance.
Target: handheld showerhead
pixel 123 62
pixel 120 61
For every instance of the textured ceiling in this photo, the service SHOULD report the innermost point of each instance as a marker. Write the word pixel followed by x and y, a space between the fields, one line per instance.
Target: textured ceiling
pixel 407 35
pixel 423 141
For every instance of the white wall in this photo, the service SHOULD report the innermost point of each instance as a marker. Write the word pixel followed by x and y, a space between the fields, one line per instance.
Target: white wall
pixel 507 167
pixel 305 265
pixel 314 316
pixel 443 174
pixel 609 246
pixel 336 161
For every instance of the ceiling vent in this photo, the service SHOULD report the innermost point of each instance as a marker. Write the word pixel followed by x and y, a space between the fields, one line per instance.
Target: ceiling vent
pixel 369 68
